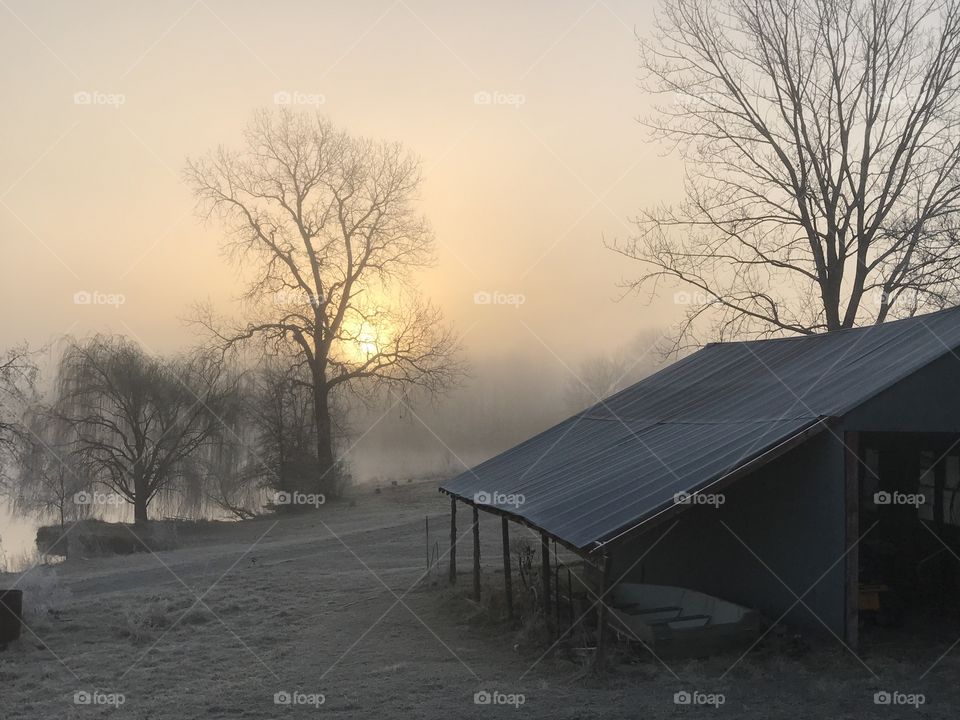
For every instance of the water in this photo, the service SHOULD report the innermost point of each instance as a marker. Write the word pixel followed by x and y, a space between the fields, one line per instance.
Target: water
pixel 17 538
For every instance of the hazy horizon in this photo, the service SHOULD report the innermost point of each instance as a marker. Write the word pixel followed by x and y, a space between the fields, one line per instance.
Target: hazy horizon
pixel 524 118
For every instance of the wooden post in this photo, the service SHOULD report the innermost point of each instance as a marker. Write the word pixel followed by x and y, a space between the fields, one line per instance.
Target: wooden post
pixel 939 482
pixel 599 660
pixel 556 588
pixel 545 572
pixel 507 579
pixel 453 540
pixel 476 553
pixel 851 471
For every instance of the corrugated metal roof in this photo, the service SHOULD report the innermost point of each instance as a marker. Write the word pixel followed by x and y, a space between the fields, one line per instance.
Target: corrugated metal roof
pixel 623 460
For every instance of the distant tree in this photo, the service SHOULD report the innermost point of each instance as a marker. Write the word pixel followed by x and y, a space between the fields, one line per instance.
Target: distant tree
pixel 49 481
pixel 328 226
pixel 596 378
pixel 18 375
pixel 281 414
pixel 822 144
pixel 137 420
pixel 602 375
pixel 226 472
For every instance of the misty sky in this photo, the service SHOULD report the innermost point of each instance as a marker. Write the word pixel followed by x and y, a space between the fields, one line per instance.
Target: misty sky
pixel 520 195
pixel 521 190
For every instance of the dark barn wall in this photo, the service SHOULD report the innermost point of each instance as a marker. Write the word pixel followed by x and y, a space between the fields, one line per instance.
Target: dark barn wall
pixel 927 401
pixel 790 513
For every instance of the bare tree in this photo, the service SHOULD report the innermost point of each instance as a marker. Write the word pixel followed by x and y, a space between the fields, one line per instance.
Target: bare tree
pixel 269 445
pixel 49 480
pixel 18 375
pixel 327 224
pixel 138 419
pixel 601 375
pixel 822 141
pixel 280 412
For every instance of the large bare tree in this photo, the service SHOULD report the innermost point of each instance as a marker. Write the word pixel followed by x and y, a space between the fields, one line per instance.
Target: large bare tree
pixel 821 140
pixel 327 225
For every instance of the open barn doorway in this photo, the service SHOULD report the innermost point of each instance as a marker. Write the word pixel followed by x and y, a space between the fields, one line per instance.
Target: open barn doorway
pixel 909 529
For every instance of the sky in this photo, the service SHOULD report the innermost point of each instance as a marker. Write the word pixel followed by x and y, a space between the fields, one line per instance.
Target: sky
pixel 524 116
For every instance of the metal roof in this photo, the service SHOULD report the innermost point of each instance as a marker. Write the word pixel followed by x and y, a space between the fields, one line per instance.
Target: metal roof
pixel 621 462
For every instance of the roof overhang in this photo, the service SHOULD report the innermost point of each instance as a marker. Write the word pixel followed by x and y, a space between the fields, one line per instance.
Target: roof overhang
pixel 667 511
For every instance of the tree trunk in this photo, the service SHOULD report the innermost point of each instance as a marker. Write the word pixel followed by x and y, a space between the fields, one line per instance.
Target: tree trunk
pixel 139 499
pixel 321 416
pixel 140 508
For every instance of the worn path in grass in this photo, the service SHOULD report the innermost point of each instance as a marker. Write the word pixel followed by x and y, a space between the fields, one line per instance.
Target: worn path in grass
pixel 330 604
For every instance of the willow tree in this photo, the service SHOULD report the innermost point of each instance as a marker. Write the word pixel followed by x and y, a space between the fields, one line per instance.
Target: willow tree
pixel 49 479
pixel 135 420
pixel 821 141
pixel 326 225
pixel 18 375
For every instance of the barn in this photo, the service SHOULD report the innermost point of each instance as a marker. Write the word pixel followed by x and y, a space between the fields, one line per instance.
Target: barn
pixel 786 475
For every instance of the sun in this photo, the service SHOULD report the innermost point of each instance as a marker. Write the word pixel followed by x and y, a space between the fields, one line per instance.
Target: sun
pixel 361 339
pixel 367 341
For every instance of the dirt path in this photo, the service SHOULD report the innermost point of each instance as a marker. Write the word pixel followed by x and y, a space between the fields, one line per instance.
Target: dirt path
pixel 332 606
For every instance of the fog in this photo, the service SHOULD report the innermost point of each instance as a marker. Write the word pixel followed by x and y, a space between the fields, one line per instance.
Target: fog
pixel 524 117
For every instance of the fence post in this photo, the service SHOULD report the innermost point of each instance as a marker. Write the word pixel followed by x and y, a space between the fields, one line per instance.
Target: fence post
pixel 476 553
pixel 507 579
pixel 453 540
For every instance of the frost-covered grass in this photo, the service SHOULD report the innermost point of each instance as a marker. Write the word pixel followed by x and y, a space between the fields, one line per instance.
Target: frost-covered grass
pixel 217 628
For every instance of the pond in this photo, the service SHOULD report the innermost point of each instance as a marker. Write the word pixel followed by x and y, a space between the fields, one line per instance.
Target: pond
pixel 17 539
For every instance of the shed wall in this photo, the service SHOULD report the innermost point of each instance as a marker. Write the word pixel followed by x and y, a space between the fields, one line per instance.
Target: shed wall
pixel 927 401
pixel 790 514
